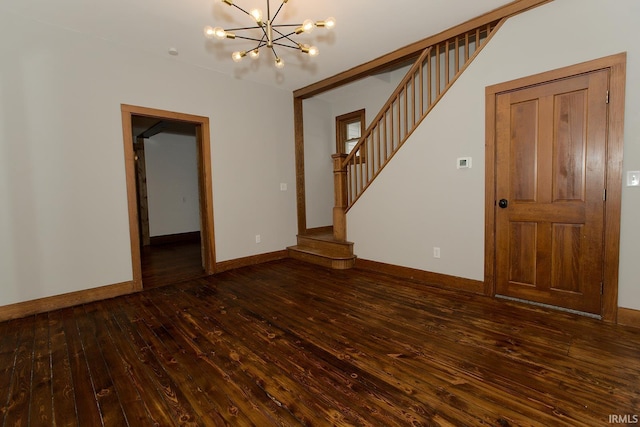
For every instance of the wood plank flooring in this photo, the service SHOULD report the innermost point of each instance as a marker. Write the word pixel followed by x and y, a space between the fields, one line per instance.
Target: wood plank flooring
pixel 171 262
pixel 288 344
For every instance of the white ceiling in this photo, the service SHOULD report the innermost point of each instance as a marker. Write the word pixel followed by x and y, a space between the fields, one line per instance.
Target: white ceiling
pixel 365 30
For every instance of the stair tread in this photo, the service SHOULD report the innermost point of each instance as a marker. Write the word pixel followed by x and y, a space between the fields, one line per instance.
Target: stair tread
pixel 325 237
pixel 320 252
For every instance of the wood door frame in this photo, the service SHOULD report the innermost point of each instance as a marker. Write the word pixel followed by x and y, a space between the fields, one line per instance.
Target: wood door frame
pixel 205 187
pixel 141 190
pixel 616 64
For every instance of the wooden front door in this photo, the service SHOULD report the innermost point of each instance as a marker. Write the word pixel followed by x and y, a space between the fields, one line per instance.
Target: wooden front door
pixel 550 191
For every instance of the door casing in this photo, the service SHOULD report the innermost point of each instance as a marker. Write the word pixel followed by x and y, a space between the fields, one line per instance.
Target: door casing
pixel 204 184
pixel 616 64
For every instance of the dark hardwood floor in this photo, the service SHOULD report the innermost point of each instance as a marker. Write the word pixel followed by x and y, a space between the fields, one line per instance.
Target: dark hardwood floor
pixel 287 343
pixel 171 262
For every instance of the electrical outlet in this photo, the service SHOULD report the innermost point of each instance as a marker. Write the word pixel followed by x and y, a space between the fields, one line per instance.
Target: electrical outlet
pixel 258 238
pixel 283 186
pixel 633 178
pixel 436 252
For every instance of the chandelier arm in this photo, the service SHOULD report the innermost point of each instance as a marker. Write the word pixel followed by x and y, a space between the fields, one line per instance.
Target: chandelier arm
pixel 286 36
pixel 277 12
pixel 255 27
pixel 261 43
pixel 264 32
pixel 274 52
pixel 251 38
pixel 238 7
pixel 283 35
pixel 296 47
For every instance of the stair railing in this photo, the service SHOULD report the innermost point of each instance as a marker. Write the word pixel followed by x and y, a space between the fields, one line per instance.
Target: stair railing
pixel 433 73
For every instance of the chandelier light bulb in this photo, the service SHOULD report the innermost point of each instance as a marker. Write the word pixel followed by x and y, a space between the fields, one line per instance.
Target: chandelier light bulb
pixel 330 23
pixel 237 56
pixel 254 54
pixel 209 32
pixel 313 51
pixel 257 15
pixel 219 33
pixel 279 63
pixel 307 26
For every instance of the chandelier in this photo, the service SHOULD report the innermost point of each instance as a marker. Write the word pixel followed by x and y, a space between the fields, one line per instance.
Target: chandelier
pixel 270 34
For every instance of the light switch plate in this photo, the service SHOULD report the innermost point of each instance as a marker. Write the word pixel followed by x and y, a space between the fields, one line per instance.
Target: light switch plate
pixel 633 178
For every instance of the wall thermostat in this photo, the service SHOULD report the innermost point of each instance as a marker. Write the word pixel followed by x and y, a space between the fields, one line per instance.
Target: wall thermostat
pixel 464 162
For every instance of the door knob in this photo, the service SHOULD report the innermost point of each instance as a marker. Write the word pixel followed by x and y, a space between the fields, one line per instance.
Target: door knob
pixel 503 203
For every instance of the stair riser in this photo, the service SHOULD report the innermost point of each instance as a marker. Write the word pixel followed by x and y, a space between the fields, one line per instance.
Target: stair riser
pixel 336 264
pixel 341 249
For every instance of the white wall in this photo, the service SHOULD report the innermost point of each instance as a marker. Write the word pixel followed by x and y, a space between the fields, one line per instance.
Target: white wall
pixel 319 145
pixel 420 200
pixel 63 203
pixel 172 184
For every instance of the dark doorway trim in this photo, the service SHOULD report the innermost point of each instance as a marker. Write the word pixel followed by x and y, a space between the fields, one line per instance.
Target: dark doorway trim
pixel 205 186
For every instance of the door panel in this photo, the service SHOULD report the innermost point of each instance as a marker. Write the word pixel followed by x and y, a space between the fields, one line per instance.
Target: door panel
pixel 565 253
pixel 522 265
pixel 550 152
pixel 569 156
pixel 524 128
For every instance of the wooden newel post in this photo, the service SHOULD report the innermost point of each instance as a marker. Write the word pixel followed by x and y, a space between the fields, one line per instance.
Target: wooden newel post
pixel 340 197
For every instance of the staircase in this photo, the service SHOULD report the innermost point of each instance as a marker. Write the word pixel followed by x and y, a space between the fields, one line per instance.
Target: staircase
pixel 431 76
pixel 426 82
pixel 322 248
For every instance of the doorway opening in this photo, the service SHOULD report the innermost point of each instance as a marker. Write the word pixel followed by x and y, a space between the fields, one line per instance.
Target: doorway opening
pixel 168 169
